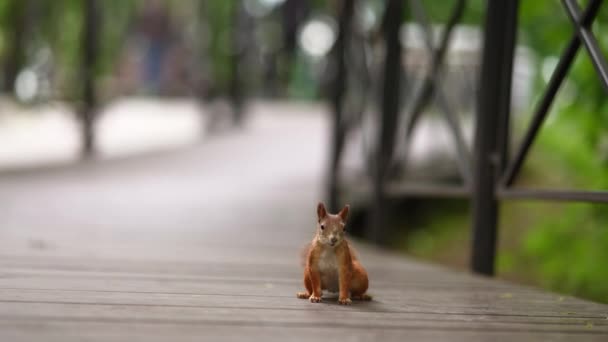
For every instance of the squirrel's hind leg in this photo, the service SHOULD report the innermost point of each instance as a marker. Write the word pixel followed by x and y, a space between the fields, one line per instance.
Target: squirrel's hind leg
pixel 359 283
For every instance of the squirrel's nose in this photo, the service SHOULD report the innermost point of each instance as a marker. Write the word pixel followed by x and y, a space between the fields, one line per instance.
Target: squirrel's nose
pixel 333 240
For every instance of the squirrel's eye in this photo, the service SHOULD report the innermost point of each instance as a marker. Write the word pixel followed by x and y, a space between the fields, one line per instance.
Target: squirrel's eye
pixel 322 227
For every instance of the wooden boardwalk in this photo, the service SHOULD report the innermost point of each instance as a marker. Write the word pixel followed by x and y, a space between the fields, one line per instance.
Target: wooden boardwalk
pixel 203 245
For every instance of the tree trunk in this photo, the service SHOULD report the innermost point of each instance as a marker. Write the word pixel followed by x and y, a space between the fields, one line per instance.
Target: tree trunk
pixel 90 43
pixel 16 46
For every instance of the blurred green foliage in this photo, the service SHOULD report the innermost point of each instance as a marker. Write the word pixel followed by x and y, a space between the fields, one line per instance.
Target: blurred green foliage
pixel 217 14
pixel 569 248
pixel 560 246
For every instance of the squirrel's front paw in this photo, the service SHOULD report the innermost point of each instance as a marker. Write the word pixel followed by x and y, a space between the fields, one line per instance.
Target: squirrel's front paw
pixel 314 299
pixel 345 301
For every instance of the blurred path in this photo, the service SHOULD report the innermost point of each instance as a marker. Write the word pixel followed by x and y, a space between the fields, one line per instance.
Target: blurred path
pixel 203 244
pixel 49 133
pixel 198 195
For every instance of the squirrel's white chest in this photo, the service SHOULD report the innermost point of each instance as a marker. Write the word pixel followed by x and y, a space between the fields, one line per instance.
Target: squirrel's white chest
pixel 328 267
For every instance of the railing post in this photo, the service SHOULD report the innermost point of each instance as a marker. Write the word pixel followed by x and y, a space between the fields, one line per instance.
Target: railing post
pixel 491 133
pixel 337 98
pixel 390 104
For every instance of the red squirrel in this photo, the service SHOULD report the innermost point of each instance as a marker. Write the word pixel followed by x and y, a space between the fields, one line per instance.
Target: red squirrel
pixel 330 262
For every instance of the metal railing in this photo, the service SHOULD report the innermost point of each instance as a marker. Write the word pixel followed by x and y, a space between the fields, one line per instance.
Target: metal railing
pixel 488 172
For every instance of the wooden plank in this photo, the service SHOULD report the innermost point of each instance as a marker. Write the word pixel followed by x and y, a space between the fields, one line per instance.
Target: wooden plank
pixel 228 272
pixel 239 294
pixel 101 331
pixel 268 316
pixel 235 272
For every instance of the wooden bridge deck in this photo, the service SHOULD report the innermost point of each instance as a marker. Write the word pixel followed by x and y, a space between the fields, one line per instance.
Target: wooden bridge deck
pixel 203 244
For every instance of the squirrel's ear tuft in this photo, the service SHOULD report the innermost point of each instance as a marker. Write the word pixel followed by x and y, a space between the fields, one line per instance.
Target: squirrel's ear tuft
pixel 344 212
pixel 321 211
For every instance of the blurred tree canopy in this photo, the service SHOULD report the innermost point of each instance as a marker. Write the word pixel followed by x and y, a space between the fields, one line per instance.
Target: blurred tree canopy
pixel 57 25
